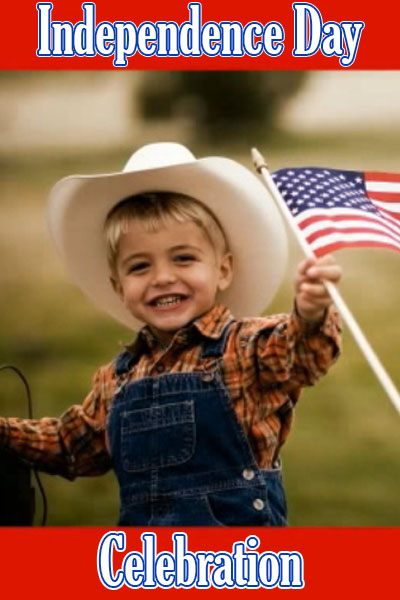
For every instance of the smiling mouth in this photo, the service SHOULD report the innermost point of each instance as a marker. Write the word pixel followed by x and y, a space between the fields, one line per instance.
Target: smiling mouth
pixel 168 301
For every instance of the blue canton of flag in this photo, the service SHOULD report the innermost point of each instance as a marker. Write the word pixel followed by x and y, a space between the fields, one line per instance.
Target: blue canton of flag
pixel 337 209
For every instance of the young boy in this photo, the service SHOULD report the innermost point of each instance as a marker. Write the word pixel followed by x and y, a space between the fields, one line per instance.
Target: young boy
pixel 192 415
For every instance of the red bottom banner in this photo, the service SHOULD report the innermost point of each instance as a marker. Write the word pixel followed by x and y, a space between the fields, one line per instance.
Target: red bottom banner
pixel 317 562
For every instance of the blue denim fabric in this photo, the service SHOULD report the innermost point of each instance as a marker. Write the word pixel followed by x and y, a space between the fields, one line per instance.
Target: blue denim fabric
pixel 182 458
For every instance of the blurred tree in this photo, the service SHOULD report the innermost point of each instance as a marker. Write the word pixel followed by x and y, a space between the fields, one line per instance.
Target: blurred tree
pixel 219 103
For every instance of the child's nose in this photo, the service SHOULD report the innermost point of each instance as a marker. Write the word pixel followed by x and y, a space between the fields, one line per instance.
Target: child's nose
pixel 163 275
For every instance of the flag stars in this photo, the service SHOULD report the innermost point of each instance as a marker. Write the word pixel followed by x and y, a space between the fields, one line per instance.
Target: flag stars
pixel 329 190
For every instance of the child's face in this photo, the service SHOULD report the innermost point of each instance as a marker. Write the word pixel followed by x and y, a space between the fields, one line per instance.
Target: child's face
pixel 169 277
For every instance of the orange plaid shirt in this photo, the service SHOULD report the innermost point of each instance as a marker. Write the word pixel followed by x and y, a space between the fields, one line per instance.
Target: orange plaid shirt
pixel 266 363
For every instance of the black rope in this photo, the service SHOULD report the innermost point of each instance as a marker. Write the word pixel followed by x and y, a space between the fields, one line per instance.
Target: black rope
pixel 30 414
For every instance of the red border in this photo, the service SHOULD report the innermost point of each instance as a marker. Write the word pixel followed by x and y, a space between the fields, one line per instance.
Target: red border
pixel 378 48
pixel 60 562
pixel 42 563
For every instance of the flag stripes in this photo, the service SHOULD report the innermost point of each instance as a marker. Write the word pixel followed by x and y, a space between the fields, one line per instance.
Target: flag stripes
pixel 338 209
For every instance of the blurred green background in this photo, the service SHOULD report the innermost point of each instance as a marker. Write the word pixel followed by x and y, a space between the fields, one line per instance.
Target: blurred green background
pixel 342 461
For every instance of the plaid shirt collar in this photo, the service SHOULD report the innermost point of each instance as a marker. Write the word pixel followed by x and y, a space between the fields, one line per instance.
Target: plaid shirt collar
pixel 209 325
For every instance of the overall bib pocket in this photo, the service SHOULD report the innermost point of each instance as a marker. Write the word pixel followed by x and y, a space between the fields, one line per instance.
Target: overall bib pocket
pixel 159 436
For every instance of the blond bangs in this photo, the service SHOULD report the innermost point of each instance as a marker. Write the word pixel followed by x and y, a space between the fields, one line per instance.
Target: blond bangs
pixel 157 210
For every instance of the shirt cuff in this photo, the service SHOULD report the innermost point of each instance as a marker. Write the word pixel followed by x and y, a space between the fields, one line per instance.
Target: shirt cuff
pixel 329 323
pixel 4 437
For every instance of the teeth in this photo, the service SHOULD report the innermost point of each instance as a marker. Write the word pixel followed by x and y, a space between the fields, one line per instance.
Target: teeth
pixel 168 300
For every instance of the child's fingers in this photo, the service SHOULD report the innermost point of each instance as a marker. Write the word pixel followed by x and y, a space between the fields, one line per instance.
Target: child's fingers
pixel 311 304
pixel 305 265
pixel 313 290
pixel 321 268
pixel 330 272
pixel 312 297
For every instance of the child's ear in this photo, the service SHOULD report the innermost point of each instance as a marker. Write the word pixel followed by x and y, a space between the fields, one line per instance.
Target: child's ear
pixel 226 272
pixel 117 287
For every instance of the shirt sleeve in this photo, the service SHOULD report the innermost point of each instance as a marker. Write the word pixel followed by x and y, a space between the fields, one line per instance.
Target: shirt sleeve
pixel 71 445
pixel 295 353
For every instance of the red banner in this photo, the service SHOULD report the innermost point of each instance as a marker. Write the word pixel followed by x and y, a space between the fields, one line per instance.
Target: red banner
pixel 217 35
pixel 42 563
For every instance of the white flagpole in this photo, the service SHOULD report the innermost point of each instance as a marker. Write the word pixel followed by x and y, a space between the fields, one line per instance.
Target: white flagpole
pixel 342 307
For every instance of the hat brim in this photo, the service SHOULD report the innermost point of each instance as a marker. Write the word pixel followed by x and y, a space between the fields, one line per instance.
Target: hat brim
pixel 256 236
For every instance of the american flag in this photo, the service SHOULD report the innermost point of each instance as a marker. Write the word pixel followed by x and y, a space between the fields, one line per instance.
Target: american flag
pixel 337 209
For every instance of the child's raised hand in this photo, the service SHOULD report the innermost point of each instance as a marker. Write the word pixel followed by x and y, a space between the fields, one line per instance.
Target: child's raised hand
pixel 312 299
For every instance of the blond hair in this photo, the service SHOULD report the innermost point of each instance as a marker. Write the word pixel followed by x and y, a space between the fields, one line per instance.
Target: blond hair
pixel 155 210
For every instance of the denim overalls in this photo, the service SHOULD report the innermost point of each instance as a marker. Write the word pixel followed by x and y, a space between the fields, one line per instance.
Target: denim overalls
pixel 180 455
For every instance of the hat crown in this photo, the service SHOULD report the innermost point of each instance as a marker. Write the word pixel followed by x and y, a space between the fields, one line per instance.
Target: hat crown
pixel 162 154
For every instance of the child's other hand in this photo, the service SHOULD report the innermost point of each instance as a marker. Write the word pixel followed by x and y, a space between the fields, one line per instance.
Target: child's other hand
pixel 312 299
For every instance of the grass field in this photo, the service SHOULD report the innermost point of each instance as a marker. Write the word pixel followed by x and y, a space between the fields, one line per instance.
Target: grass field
pixel 342 461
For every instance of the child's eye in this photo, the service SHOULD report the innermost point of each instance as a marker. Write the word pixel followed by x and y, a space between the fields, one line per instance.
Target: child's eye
pixel 138 267
pixel 183 258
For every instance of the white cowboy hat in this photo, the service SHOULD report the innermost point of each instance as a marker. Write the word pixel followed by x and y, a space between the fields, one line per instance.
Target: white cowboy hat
pixel 78 207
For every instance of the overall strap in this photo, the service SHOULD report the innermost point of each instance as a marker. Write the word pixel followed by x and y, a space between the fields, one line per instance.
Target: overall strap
pixel 215 348
pixel 124 362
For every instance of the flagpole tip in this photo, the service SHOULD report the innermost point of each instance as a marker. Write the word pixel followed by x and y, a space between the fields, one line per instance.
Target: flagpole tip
pixel 258 160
